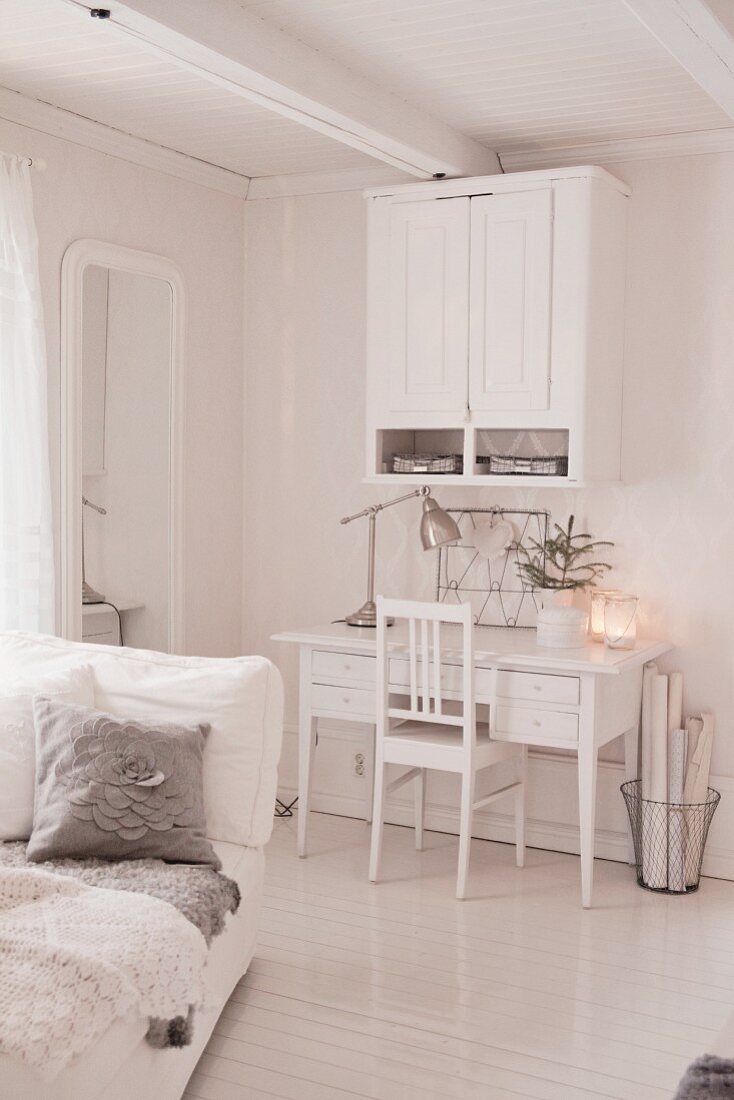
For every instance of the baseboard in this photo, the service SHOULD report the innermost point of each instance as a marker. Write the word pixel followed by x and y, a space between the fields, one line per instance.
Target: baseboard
pixel 551 803
pixel 552 836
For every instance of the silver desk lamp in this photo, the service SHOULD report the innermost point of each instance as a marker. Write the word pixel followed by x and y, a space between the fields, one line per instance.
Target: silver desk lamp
pixel 437 529
pixel 89 595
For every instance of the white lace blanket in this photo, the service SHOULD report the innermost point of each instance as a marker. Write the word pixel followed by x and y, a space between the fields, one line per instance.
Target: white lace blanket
pixel 75 958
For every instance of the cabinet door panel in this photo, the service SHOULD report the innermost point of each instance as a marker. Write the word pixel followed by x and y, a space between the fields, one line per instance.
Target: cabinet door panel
pixel 429 296
pixel 509 355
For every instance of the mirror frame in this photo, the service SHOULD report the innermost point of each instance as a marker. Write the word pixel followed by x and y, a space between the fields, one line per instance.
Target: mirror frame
pixel 78 256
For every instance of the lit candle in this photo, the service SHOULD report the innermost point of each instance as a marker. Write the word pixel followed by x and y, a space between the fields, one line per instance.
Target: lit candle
pixel 620 625
pixel 598 599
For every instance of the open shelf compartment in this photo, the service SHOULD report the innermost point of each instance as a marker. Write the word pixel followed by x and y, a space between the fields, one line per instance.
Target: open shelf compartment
pixel 412 452
pixel 521 452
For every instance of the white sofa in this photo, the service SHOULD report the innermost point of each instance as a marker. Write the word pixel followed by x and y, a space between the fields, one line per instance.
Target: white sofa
pixel 242 699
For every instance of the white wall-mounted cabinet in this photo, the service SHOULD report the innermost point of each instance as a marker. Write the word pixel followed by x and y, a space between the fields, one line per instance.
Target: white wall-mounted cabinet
pixel 495 320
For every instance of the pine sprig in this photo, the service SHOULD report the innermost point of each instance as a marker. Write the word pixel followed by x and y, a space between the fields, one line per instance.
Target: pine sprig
pixel 558 561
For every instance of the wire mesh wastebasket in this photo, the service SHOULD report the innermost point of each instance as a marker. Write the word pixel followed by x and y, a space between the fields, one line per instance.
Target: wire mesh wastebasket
pixel 669 839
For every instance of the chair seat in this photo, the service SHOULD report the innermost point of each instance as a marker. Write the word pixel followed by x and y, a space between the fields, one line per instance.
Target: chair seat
pixel 435 733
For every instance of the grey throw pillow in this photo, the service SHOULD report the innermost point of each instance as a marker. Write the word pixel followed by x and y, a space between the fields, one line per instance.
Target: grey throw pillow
pixel 116 789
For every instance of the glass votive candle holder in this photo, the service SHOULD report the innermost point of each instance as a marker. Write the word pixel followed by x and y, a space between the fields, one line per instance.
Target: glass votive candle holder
pixel 596 619
pixel 620 620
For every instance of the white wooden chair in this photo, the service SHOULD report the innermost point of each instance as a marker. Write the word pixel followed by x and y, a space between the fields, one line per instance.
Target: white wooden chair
pixel 423 735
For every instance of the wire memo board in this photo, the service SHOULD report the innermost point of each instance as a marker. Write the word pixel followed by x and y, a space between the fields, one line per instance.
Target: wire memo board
pixel 495 589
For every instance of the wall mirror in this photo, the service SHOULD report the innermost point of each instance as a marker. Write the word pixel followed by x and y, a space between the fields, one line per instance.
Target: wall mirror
pixel 122 347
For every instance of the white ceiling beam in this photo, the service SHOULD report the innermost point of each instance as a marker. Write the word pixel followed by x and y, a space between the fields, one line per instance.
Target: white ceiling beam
pixel 234 49
pixel 692 34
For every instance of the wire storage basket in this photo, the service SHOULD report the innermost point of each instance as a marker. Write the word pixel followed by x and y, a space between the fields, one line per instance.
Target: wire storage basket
pixel 538 465
pixel 427 464
pixel 669 839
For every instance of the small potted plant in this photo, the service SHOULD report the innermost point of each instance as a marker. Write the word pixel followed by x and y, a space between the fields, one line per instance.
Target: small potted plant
pixel 559 566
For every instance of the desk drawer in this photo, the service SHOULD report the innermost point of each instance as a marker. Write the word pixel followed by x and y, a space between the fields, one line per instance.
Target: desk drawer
pixel 452 676
pixel 535 726
pixel 538 686
pixel 342 666
pixel 346 701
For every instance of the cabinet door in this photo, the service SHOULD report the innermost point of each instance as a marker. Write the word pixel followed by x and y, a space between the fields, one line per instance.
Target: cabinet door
pixel 509 354
pixel 429 304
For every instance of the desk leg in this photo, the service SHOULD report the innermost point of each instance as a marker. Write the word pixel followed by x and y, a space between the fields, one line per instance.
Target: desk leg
pixel 306 749
pixel 631 771
pixel 371 797
pixel 587 815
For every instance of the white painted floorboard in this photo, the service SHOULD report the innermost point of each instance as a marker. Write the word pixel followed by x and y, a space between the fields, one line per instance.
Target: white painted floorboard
pixel 397 991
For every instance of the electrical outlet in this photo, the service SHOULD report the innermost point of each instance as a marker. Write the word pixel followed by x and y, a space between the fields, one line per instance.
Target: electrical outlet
pixel 359 763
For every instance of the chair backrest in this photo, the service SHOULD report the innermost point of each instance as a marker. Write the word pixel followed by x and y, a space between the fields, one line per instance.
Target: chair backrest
pixel 425 652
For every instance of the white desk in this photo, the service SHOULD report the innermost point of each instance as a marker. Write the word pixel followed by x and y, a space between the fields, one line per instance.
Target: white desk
pixel 576 699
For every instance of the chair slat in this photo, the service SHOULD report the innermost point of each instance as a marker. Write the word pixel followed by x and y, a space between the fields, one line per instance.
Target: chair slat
pixel 413 666
pixel 425 668
pixel 437 667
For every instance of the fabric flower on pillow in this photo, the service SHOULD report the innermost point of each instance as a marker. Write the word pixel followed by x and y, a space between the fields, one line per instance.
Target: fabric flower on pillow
pixel 124 783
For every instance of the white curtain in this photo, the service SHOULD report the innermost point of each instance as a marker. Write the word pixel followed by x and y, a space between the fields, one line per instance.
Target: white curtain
pixel 26 540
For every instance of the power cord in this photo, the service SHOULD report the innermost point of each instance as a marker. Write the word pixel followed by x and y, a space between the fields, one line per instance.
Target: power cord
pixel 106 603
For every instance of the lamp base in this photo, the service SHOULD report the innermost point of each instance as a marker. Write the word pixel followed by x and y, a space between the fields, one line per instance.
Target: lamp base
pixel 366 616
pixel 89 595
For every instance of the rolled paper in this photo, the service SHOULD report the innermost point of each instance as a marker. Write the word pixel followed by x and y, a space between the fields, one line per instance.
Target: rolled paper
pixel 659 768
pixel 695 730
pixel 703 755
pixel 696 790
pixel 676 818
pixel 654 848
pixel 648 675
pixel 675 701
pixel 677 740
pixel 676 780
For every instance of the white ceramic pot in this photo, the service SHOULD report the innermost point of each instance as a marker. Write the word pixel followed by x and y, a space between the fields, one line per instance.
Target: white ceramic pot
pixel 555 597
pixel 562 627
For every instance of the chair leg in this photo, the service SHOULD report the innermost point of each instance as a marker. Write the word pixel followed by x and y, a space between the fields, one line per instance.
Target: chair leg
pixel 520 807
pixel 378 815
pixel 420 808
pixel 468 785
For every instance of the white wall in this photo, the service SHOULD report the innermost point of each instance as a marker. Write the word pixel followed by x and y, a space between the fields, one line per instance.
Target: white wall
pixel 673 520
pixel 83 193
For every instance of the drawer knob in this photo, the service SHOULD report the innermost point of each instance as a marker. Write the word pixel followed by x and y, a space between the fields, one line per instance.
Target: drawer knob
pixel 347 668
pixel 345 699
pixel 537 687
pixel 537 722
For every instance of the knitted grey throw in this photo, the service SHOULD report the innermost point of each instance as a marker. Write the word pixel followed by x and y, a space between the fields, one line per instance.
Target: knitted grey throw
pixel 201 894
pixel 708 1078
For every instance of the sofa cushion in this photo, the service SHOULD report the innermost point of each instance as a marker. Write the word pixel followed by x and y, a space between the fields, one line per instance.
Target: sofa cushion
pixel 116 789
pixel 241 699
pixel 17 740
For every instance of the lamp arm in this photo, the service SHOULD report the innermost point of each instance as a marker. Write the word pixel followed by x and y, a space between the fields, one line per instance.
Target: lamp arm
pixel 375 508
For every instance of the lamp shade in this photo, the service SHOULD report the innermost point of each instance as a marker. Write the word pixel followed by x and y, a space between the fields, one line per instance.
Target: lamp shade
pixel 437 527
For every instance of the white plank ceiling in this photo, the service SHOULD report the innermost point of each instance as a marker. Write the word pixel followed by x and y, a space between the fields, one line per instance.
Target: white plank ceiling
pixel 513 74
